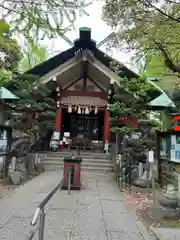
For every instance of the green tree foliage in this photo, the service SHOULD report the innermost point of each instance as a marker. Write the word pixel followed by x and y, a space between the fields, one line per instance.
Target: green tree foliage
pixel 33 100
pixel 147 26
pixel 24 85
pixel 44 18
pixel 10 53
pixel 133 103
pixel 154 68
pixel 33 54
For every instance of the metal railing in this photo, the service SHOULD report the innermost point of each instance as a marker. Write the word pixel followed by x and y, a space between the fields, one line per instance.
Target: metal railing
pixel 40 213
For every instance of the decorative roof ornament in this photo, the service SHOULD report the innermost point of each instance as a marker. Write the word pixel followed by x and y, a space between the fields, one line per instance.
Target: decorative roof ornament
pixel 85 54
pixel 54 78
pixel 86 29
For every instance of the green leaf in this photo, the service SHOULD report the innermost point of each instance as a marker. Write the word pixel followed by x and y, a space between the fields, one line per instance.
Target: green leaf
pixel 4 27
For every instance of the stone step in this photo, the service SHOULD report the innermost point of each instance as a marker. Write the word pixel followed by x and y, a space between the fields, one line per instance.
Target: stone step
pixel 60 159
pixel 70 152
pixel 91 169
pixel 66 151
pixel 92 161
pixel 84 156
pixel 83 164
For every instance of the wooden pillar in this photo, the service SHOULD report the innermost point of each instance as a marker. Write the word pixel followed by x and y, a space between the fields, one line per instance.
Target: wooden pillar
pixel 106 126
pixel 58 120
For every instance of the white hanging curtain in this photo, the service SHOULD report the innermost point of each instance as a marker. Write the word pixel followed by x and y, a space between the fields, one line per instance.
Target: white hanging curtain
pixel 87 110
pixel 96 110
pixel 79 110
pixel 69 109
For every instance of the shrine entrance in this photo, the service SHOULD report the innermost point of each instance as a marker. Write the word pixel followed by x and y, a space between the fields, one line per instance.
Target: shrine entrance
pixel 82 83
pixel 84 119
pixel 91 125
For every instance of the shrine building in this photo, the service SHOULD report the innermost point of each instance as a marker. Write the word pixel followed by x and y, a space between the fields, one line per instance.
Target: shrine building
pixel 82 82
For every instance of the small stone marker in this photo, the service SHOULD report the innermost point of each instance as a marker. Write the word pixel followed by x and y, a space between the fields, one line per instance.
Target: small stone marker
pixel 140 170
pixel 15 177
pixel 151 156
pixel 1 163
pixel 13 163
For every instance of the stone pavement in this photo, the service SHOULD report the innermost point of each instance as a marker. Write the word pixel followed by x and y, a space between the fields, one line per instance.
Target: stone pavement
pixel 97 212
pixel 166 233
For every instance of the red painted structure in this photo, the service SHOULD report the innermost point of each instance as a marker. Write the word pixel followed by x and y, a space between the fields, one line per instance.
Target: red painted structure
pixel 100 95
pixel 75 164
pixel 132 121
pixel 58 119
pixel 106 126
pixel 90 69
pixel 176 121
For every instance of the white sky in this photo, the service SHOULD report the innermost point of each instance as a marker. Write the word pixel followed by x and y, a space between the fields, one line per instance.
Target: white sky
pixel 99 30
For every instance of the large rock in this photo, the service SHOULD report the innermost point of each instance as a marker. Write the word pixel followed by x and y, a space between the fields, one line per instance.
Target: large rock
pixel 15 177
pixel 134 174
pixel 170 192
pixel 169 197
pixel 22 168
pixel 167 202
pixel 161 212
pixel 1 163
pixel 39 167
pixel 144 181
pixel 29 162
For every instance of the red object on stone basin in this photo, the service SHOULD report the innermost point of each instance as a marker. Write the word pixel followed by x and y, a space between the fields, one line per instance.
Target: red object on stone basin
pixel 75 163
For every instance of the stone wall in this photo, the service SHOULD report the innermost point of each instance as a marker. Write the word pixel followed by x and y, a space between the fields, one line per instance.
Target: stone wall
pixel 168 173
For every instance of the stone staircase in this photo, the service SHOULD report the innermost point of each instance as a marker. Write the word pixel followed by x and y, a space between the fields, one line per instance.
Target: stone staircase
pixel 90 161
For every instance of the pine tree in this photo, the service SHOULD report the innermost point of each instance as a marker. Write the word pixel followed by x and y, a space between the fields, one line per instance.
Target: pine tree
pixel 130 100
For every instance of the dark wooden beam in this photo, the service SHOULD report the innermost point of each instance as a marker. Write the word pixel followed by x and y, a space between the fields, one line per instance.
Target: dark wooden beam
pixel 66 93
pixel 72 83
pixel 85 71
pixel 93 81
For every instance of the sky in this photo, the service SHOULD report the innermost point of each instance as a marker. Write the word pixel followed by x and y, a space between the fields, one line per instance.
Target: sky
pixel 99 30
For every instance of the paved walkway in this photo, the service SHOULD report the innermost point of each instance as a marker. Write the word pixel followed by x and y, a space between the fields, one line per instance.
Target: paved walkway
pixel 97 212
pixel 166 233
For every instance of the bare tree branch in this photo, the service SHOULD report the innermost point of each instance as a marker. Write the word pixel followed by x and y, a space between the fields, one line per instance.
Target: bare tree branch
pixel 147 2
pixel 43 17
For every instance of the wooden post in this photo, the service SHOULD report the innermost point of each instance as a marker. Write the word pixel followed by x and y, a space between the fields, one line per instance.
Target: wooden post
pixel 106 126
pixel 151 161
pixel 58 120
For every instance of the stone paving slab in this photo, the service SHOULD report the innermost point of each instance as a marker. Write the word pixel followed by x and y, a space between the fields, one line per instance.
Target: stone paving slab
pixel 124 236
pixel 97 212
pixel 60 219
pixel 57 234
pixel 166 233
pixel 113 207
pixel 16 228
pixel 122 222
pixel 89 235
